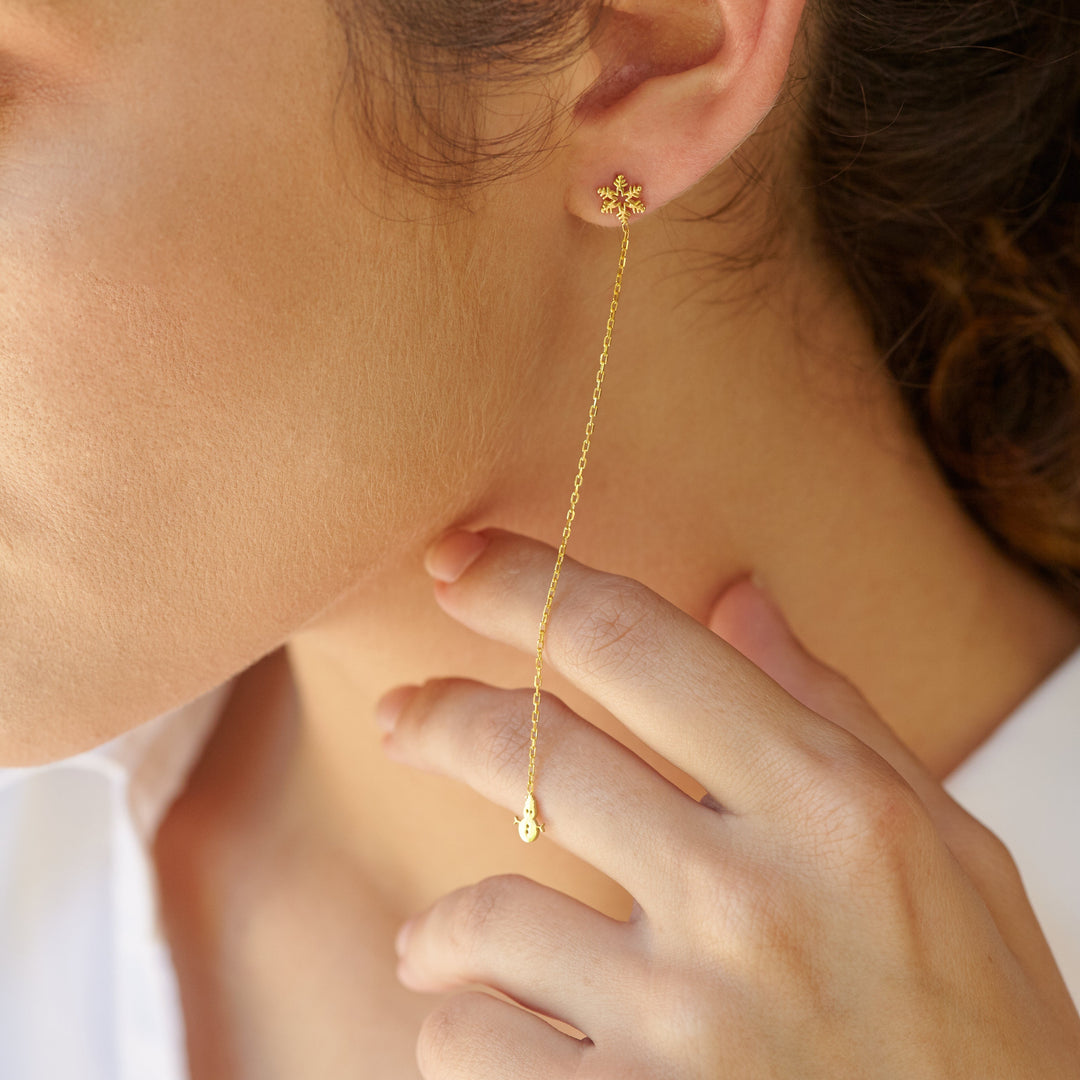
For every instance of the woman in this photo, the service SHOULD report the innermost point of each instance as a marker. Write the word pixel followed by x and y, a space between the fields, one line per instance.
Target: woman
pixel 294 294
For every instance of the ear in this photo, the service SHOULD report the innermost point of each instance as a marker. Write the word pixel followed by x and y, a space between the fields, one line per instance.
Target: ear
pixel 673 87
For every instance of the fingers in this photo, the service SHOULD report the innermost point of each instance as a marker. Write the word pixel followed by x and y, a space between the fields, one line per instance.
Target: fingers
pixel 538 946
pixel 746 618
pixel 595 797
pixel 474 1036
pixel 679 687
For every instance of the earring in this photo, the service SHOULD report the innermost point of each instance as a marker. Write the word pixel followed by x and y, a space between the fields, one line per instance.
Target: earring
pixel 623 199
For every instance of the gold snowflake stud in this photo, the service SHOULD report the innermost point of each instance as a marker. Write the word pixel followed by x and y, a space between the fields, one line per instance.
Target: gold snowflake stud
pixel 624 199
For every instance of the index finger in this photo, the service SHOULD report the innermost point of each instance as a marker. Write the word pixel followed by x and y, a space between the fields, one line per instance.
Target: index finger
pixel 679 687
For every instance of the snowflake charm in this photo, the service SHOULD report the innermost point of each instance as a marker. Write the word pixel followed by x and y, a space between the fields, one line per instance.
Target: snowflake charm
pixel 624 200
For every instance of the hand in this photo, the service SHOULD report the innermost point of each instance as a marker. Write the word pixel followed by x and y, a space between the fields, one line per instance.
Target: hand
pixel 827 911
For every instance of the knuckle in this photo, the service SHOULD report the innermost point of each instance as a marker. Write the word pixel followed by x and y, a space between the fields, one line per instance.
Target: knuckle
pixel 745 898
pixel 608 625
pixel 502 734
pixel 875 821
pixel 697 873
pixel 751 909
pixel 471 911
pixel 688 1017
pixel 448 1042
pixel 995 855
pixel 892 810
pixel 893 830
pixel 985 855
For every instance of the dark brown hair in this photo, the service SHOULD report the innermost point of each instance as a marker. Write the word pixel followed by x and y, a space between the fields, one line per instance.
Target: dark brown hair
pixel 940 154
pixel 942 151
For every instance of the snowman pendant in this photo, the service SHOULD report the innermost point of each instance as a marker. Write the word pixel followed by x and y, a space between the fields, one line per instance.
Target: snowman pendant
pixel 528 827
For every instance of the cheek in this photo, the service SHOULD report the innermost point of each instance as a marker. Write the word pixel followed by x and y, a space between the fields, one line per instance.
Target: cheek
pixel 201 391
pixel 139 526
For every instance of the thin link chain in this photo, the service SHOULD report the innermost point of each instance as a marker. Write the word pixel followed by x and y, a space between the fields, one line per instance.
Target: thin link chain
pixel 538 678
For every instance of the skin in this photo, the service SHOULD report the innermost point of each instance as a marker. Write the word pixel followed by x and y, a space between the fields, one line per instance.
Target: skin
pixel 246 378
pixel 826 911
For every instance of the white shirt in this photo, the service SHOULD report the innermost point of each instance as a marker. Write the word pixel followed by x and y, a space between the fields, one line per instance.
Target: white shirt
pixel 1023 783
pixel 87 986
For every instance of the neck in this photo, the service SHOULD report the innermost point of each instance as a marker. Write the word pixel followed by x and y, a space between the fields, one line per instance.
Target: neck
pixel 753 436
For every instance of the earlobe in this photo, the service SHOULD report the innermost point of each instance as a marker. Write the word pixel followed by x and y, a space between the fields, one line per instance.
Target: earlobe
pixel 681 84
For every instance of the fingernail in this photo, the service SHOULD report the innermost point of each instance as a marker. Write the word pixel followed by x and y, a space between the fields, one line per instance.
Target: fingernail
pixel 402 939
pixel 392 704
pixel 449 557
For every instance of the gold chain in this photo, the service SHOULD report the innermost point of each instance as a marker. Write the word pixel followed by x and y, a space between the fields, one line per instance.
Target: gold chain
pixel 624 200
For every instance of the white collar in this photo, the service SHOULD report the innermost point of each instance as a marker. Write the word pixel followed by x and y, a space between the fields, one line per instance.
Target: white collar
pixel 1022 784
pixel 152 760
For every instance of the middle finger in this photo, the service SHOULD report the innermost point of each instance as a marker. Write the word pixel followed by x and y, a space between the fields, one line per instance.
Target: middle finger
pixel 677 686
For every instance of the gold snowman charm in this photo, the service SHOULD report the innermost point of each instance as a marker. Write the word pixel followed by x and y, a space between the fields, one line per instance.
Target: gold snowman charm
pixel 528 827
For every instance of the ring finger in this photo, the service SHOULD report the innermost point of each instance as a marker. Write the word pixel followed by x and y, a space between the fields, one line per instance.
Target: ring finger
pixel 599 800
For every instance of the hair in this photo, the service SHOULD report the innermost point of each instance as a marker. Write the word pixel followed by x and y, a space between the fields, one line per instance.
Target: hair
pixel 940 157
